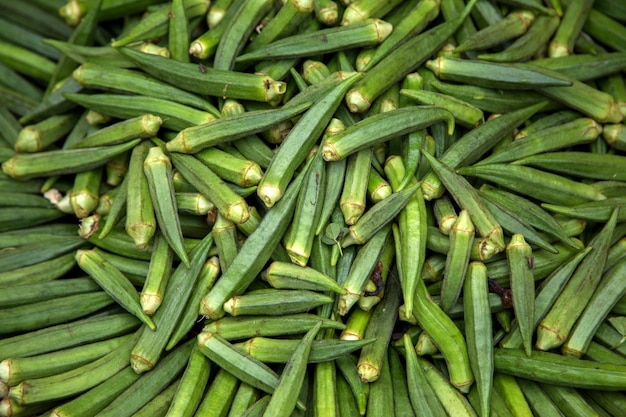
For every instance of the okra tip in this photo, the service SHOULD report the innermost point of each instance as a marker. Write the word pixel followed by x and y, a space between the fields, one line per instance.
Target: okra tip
pixel 140 364
pixel 150 302
pixel 329 152
pixel 368 372
pixel 548 338
pixel 269 194
pixel 5 376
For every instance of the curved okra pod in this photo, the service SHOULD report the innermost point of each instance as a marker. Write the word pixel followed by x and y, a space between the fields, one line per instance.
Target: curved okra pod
pixel 27 166
pixel 511 26
pixel 423 398
pixel 446 335
pixel 366 33
pixel 299 142
pixel 544 186
pixel 382 127
pixel 608 167
pixel 464 113
pixel 403 60
pixel 595 211
pixel 469 199
pixel 158 172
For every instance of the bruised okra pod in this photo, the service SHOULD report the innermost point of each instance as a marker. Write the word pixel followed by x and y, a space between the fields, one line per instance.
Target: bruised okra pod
pixel 519 255
pixel 158 173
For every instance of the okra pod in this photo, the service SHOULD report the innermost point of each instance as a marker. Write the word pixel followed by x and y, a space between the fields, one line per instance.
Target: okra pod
pixel 518 253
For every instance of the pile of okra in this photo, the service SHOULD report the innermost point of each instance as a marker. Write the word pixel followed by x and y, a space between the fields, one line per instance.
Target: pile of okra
pixel 313 208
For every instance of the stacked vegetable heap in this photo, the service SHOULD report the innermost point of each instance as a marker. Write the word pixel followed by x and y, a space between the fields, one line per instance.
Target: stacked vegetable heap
pixel 312 208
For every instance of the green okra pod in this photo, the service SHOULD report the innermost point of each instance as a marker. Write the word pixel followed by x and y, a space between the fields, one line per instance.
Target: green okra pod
pixel 511 26
pixel 253 255
pixel 232 206
pixel 464 114
pixel 157 276
pixel 178 33
pixel 390 124
pixel 400 62
pixel 557 324
pixel 284 275
pixel 158 173
pixel 140 127
pixel 140 220
pixel 27 166
pixel 37 137
pixel 271 301
pixel 523 288
pixel 366 33
pixel 220 394
pixel 457 260
pixel 150 345
pixel 113 282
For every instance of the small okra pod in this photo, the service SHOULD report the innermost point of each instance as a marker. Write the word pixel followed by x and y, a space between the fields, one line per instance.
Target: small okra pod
pixel 464 113
pixel 284 275
pixel 544 186
pixel 609 291
pixel 271 301
pixel 39 136
pixel 511 26
pixel 606 30
pixel 299 142
pixel 193 203
pixel 369 32
pixel 139 127
pixel 572 22
pixel 117 208
pixel 523 288
pixel 290 16
pixel 469 199
pixel 494 75
pixel 116 169
pixel 197 138
pixel 238 363
pixel 158 274
pixel 242 24
pixel 615 136
pixel 356 325
pixel 508 389
pixel 538 399
pixel 190 389
pixel 445 214
pixel 220 395
pixel 26 62
pixel 285 396
pixel 378 216
pixel 530 43
pixel 557 324
pixel 27 166
pixel 232 206
pixel 146 352
pixel 379 328
pixel 225 237
pixel 549 120
pixel 382 127
pixel 362 267
pixel 140 220
pixel 244 398
pixel 425 345
pixel 400 62
pixel 254 253
pixel 579 131
pixel 159 404
pixel 457 260
pixel 550 368
pixel 353 195
pixel 85 193
pixel 158 172
pixel 231 168
pixel 325 392
pixel 347 365
pixel 381 400
pixel 113 282
pixel 584 67
pixel 378 189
